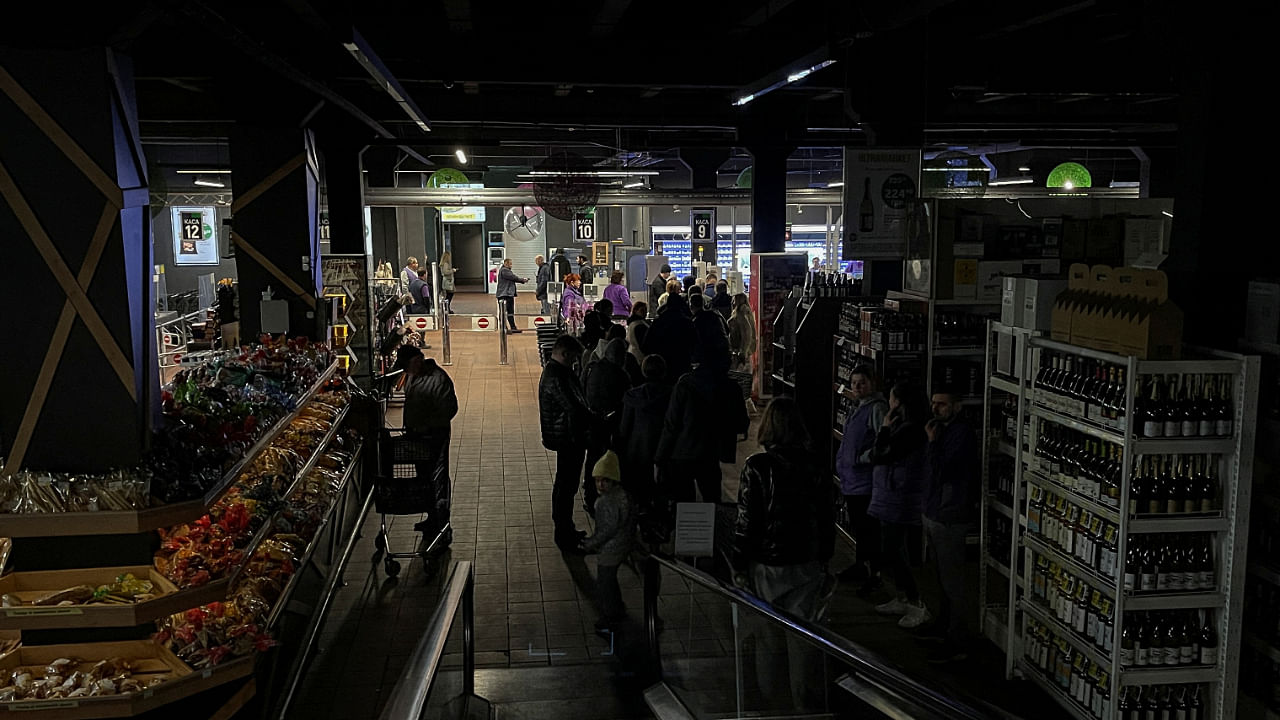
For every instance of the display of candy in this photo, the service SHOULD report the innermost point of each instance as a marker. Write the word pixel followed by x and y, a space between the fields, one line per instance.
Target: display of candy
pixel 74 678
pixel 213 415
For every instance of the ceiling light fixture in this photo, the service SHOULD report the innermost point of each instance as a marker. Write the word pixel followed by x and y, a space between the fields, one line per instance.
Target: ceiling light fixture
pixel 203 172
pixel 790 78
pixel 636 184
pixel 1166 213
pixel 462 157
pixel 363 53
pixel 1011 181
pixel 1024 168
pixel 207 182
pixel 838 183
pixel 592 173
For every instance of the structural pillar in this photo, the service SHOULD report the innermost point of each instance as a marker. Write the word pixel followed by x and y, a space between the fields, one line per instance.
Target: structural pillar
pixel 342 180
pixel 275 217
pixel 705 164
pixel 79 321
pixel 768 197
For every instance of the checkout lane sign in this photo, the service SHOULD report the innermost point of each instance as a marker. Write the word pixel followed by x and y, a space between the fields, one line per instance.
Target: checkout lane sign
pixel 702 225
pixel 584 227
pixel 194 236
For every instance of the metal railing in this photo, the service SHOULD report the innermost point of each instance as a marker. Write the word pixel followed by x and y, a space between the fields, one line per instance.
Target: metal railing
pixel 502 331
pixel 414 687
pixel 870 674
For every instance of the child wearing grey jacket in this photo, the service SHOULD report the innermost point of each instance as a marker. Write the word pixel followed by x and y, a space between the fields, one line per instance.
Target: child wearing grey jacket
pixel 613 539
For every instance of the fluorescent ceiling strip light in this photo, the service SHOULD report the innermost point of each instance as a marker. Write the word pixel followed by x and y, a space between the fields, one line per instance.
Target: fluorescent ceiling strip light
pixel 835 184
pixel 1125 184
pixel 1024 168
pixel 462 157
pixel 634 184
pixel 1166 213
pixel 369 60
pixel 203 172
pixel 793 77
pixel 1012 181
pixel 209 183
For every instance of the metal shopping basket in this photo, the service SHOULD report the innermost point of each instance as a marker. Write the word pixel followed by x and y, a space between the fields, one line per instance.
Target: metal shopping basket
pixel 403 486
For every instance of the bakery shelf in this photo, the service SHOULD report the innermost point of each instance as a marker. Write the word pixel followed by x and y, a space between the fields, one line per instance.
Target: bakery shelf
pixel 128 522
pixel 155 659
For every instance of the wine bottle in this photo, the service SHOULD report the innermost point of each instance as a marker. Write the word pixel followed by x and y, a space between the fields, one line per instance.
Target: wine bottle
pixel 866 209
pixel 1132 566
pixel 1148 570
pixel 1206 572
pixel 1187 650
pixel 1195 706
pixel 1190 408
pixel 1174 487
pixel 1207 410
pixel 1172 642
pixel 1173 409
pixel 1191 486
pixel 1153 421
pixel 1224 417
pixel 1138 487
pixel 1208 641
pixel 1209 486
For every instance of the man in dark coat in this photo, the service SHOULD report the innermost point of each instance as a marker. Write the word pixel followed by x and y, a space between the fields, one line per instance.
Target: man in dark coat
pixel 950 502
pixel 658 287
pixel 606 383
pixel 563 413
pixel 644 410
pixel 673 336
pixel 420 290
pixel 430 404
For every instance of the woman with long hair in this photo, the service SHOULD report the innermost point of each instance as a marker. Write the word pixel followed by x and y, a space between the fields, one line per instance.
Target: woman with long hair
pixel 572 304
pixel 742 333
pixel 447 273
pixel 899 478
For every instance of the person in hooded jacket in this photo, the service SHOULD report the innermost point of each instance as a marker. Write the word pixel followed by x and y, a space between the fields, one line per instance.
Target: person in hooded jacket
pixel 430 404
pixel 605 383
pixel 644 410
pixel 784 536
pixel 742 333
pixel 673 336
pixel 855 469
pixel 898 484
pixel 563 414
pixel 705 418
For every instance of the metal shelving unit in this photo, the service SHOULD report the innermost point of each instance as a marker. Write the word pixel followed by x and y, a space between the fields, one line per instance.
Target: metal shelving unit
pixel 1229 527
pixel 1000 612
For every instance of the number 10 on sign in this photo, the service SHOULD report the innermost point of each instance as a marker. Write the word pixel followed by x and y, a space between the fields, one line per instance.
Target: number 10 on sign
pixel 702 224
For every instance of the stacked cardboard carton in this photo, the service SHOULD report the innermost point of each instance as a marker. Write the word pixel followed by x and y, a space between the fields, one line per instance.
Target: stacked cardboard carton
pixel 1118 310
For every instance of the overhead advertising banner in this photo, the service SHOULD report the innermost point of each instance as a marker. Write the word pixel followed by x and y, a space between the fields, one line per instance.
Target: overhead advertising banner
pixel 881 189
pixel 462 214
pixel 195 239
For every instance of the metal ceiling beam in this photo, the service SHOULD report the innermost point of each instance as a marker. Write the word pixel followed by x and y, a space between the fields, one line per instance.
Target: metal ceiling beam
pixel 450 197
pixel 364 54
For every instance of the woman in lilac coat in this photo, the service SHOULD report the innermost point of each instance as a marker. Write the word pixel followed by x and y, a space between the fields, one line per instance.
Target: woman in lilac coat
pixel 617 294
pixel 899 479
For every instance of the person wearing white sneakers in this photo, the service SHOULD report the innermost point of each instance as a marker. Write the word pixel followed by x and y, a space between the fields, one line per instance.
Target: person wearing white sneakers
pixel 899 479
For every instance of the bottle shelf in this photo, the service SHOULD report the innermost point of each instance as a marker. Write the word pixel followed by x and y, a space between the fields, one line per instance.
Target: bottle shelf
pixel 958 351
pixel 1077 568
pixel 1093 506
pixel 1172 675
pixel 130 522
pixel 1174 524
pixel 995 627
pixel 1140 446
pixel 1174 601
pixel 1000 507
pixel 1000 383
pixel 1088 428
pixel 1081 644
pixel 1068 703
pixel 1004 447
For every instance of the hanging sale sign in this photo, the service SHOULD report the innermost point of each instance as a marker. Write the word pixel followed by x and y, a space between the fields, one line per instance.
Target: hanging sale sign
pixel 584 227
pixel 880 192
pixel 195 241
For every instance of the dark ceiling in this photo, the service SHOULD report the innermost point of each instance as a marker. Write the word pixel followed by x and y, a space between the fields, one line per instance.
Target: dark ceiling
pixel 641 80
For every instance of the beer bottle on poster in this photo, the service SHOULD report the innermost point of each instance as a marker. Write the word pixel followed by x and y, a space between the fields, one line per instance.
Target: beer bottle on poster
pixel 866 209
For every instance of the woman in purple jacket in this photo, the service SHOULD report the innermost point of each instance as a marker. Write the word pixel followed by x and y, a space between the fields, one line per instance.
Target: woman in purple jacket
pixel 855 469
pixel 617 293
pixel 899 479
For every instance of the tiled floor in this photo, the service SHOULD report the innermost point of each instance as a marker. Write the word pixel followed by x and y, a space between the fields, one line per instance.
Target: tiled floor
pixel 534 609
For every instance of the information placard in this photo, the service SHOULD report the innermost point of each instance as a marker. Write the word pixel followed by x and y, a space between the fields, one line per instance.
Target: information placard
pixel 584 227
pixel 195 239
pixel 695 532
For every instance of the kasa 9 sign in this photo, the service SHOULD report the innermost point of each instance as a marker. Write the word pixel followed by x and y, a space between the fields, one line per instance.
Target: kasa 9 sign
pixel 195 238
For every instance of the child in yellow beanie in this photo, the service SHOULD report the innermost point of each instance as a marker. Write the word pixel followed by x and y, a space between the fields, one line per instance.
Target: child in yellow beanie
pixel 615 533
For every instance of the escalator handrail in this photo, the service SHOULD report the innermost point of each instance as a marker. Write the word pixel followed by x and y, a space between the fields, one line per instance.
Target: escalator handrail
pixel 414 687
pixel 863 661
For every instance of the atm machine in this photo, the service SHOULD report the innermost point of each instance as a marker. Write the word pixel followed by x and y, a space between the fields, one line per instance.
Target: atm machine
pixel 495 254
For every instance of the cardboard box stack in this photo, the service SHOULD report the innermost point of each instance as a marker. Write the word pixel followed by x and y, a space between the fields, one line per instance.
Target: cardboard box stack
pixel 1119 310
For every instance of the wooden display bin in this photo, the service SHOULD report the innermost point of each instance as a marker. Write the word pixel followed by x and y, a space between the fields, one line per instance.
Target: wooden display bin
pixel 150 661
pixel 29 585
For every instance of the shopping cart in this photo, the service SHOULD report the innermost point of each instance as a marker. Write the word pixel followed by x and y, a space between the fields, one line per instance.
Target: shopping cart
pixel 744 380
pixel 403 486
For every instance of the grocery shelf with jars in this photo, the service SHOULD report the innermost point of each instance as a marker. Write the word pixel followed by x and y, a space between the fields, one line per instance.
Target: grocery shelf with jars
pixel 139 588
pixel 1116 503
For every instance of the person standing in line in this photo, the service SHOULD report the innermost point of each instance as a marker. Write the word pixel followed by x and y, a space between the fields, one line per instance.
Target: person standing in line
pixel 613 540
pixel 448 275
pixel 949 512
pixel 706 415
pixel 673 336
pixel 562 415
pixel 543 277
pixel 617 293
pixel 688 283
pixel 721 302
pixel 644 410
pixel 585 271
pixel 742 333
pixel 784 536
pixel 420 291
pixel 637 330
pixel 605 383
pixel 709 286
pixel 658 287
pixel 507 280
pixel 430 404
pixel 897 496
pixel 855 469
pixel 572 304
pixel 409 272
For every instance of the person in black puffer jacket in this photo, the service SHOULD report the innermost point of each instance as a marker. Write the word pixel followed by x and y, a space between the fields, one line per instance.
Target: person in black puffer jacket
pixel 430 405
pixel 644 409
pixel 783 538
pixel 673 336
pixel 606 382
pixel 706 415
pixel 562 412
